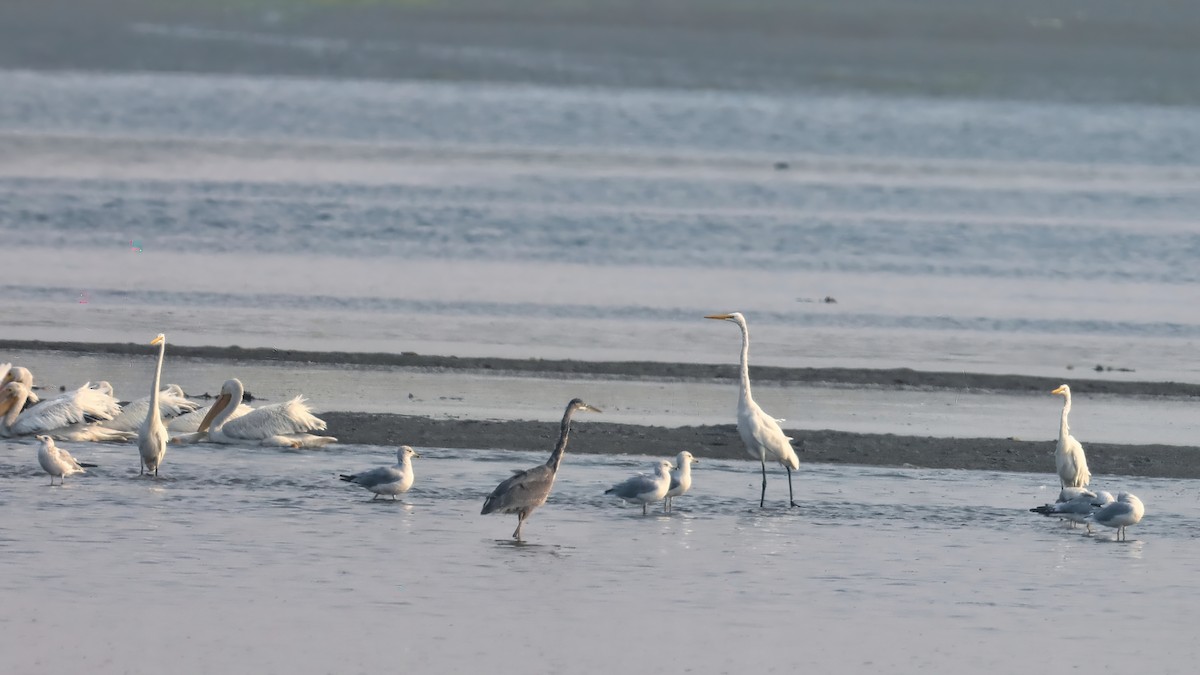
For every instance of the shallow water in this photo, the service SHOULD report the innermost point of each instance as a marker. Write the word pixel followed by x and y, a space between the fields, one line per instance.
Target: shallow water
pixel 260 560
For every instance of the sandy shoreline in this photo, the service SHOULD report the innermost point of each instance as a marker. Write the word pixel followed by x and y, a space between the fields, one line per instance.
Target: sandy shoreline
pixel 831 447
pixel 899 378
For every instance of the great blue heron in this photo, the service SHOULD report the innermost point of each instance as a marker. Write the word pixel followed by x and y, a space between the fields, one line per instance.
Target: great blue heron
pixel 1068 455
pixel 645 489
pixel 387 480
pixel 1127 510
pixel 152 436
pixel 58 462
pixel 1075 506
pixel 526 490
pixel 760 432
pixel 681 477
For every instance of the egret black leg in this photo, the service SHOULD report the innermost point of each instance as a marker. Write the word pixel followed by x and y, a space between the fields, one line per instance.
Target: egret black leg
pixel 762 500
pixel 791 498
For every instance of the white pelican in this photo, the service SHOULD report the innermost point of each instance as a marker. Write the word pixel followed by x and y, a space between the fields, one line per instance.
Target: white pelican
pixel 387 480
pixel 681 477
pixel 172 403
pixel 282 424
pixel 1127 510
pixel 760 432
pixel 526 490
pixel 11 373
pixel 58 462
pixel 645 489
pixel 152 436
pixel 66 417
pixel 190 422
pixel 1068 455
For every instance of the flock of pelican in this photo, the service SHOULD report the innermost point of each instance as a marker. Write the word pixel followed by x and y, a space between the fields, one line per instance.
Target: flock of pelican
pixel 91 413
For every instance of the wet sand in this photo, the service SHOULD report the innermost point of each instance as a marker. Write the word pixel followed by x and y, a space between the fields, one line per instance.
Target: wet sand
pixel 463 426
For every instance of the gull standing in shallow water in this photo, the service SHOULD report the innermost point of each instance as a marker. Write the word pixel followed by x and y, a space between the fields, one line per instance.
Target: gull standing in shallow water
pixel 760 432
pixel 681 478
pixel 1068 454
pixel 1127 510
pixel 526 490
pixel 58 462
pixel 387 480
pixel 645 489
pixel 1076 505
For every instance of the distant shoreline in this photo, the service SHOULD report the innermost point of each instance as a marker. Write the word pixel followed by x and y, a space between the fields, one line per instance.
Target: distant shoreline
pixel 722 442
pixel 893 378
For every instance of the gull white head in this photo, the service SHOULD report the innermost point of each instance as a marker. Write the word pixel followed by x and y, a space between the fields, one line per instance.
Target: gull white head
pixel 406 452
pixel 685 458
pixel 664 467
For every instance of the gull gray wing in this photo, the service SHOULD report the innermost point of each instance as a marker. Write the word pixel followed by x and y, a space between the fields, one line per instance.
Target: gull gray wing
pixel 380 476
pixel 632 487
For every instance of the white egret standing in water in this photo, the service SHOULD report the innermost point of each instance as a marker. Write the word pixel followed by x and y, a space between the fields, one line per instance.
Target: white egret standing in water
pixel 152 435
pixel 1068 455
pixel 760 432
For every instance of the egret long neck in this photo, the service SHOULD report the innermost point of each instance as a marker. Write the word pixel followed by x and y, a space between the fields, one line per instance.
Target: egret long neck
pixel 563 432
pixel 745 388
pixel 1065 429
pixel 153 413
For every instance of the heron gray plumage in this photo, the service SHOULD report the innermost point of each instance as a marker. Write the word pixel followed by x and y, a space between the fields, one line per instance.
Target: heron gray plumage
pixel 1127 510
pixel 526 490
pixel 681 477
pixel 643 488
pixel 387 480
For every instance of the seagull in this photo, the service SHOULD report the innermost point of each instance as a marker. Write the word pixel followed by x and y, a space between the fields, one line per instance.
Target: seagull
pixel 681 477
pixel 387 480
pixel 58 462
pixel 1078 507
pixel 643 488
pixel 1127 510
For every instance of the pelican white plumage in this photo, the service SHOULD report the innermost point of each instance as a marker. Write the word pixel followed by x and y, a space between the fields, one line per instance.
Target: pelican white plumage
pixel 172 403
pixel 11 373
pixel 190 422
pixel 644 489
pixel 387 480
pixel 58 462
pixel 152 436
pixel 280 425
pixel 1127 510
pixel 1069 459
pixel 68 417
pixel 760 432
pixel 681 477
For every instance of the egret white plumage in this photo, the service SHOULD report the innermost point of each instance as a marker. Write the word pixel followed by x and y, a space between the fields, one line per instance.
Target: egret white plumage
pixel 152 436
pixel 1127 510
pixel 760 432
pixel 526 490
pixel 681 477
pixel 644 489
pixel 387 480
pixel 1069 459
pixel 281 425
pixel 69 416
pixel 58 462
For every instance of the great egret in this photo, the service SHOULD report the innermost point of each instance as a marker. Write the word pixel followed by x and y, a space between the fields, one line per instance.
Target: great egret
pixel 58 462
pixel 1068 455
pixel 526 490
pixel 281 425
pixel 645 489
pixel 760 432
pixel 387 480
pixel 681 477
pixel 1077 508
pixel 152 435
pixel 1127 510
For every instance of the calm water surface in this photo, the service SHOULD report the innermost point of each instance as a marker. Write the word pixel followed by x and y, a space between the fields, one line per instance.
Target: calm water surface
pixel 260 560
